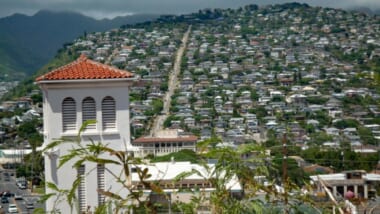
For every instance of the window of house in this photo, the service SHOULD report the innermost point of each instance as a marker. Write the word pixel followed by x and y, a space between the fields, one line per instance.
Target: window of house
pixel 109 113
pixel 69 114
pixel 89 112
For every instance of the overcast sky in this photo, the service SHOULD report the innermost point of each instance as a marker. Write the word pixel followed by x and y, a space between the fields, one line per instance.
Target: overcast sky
pixel 111 8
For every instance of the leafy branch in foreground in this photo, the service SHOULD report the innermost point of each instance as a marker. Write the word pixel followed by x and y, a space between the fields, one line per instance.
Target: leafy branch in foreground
pixel 237 181
pixel 248 165
pixel 102 154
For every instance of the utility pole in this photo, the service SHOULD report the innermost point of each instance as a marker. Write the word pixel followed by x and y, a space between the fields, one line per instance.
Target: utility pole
pixel 285 171
pixel 342 153
pixel 32 174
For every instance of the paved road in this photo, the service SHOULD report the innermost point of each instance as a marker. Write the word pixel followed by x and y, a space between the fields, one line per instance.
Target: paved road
pixel 172 84
pixel 10 185
pixel 109 59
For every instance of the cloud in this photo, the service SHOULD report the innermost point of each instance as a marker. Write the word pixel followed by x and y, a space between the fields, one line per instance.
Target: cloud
pixel 109 8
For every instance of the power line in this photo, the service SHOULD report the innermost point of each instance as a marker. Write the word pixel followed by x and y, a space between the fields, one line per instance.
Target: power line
pixel 338 160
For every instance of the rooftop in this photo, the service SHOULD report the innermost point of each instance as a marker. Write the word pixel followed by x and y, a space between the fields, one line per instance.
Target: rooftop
pixel 168 171
pixel 189 138
pixel 84 68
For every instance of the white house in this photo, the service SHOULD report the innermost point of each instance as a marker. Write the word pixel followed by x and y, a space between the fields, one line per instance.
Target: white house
pixel 72 94
pixel 13 155
pixel 165 142
pixel 164 174
pixel 360 183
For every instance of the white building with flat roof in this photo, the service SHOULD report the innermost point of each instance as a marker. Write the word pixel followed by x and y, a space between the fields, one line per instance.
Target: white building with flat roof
pixel 165 173
pixel 13 155
pixel 165 142
pixel 358 182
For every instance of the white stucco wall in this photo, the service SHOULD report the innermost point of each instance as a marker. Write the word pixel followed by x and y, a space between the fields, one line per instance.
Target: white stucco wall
pixel 118 139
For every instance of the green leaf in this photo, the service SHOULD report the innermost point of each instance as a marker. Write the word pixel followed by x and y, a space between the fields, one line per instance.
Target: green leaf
pixel 45 197
pixel 52 186
pixel 53 145
pixel 39 210
pixel 184 175
pixel 66 158
pixel 102 161
pixel 71 196
pixel 84 125
pixel 79 163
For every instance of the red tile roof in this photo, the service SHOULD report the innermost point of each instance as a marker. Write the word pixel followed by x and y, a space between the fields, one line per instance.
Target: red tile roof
pixel 190 138
pixel 84 68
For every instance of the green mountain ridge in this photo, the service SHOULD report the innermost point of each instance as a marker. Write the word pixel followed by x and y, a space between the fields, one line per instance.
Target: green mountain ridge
pixel 29 42
pixel 218 16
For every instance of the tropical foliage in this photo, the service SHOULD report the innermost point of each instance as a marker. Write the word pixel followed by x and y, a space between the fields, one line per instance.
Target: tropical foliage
pixel 248 165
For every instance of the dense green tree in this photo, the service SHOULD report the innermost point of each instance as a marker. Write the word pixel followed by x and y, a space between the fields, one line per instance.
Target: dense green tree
pixel 183 155
pixel 322 117
pixel 295 173
pixel 316 100
pixel 169 120
pixel 28 128
pixel 366 136
pixel 36 98
pixel 346 123
pixel 318 138
pixel 340 159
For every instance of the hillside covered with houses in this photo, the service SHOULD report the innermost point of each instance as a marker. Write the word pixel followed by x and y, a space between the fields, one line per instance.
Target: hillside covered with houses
pixel 309 76
pixel 252 74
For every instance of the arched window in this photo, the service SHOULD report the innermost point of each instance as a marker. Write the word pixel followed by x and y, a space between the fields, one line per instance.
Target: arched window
pixel 69 114
pixel 89 112
pixel 109 113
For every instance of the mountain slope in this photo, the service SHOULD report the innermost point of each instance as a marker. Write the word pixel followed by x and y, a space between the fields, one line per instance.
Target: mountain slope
pixel 28 42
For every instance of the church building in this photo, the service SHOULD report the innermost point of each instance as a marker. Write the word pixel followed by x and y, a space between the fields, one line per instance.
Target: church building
pixel 72 94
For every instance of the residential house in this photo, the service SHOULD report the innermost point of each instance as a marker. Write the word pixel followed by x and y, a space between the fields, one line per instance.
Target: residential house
pixel 165 142
pixel 358 182
pixel 163 173
pixel 189 122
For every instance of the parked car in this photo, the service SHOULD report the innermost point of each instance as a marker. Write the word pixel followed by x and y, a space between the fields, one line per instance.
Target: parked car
pixel 4 200
pixel 12 208
pixel 21 185
pixel 18 196
pixel 7 194
pixel 29 205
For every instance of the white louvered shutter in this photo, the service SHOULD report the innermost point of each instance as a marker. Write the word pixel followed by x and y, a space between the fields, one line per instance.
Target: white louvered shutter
pixel 109 113
pixel 69 114
pixel 89 112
